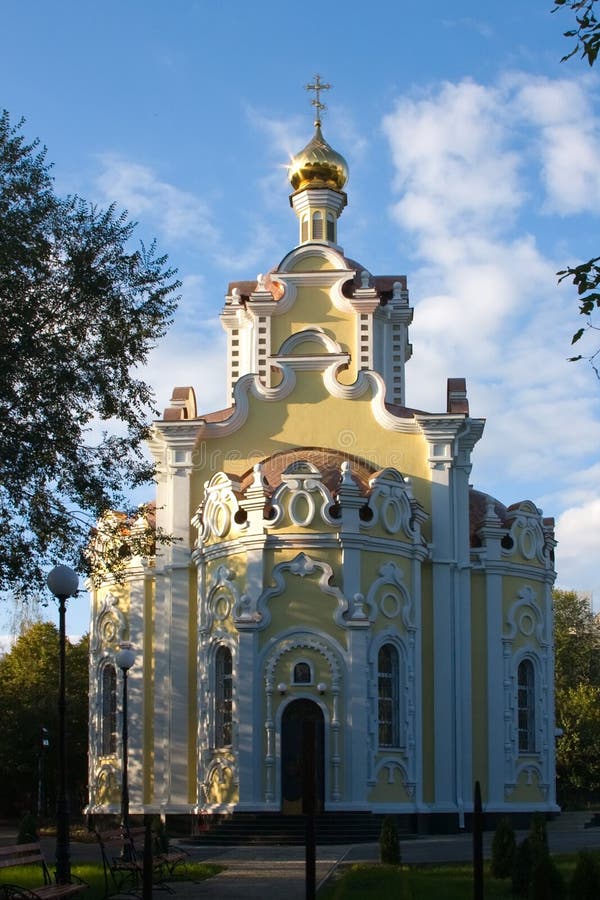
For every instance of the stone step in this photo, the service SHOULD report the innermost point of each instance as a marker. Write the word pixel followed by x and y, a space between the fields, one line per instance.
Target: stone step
pixel 273 828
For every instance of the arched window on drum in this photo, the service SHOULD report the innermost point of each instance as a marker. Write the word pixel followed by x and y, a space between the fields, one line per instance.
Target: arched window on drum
pixel 526 706
pixel 223 696
pixel 388 694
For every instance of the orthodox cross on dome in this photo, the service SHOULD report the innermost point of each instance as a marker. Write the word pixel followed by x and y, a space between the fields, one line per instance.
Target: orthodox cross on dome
pixel 317 87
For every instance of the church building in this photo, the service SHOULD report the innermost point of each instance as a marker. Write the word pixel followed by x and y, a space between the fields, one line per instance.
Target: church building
pixel 331 564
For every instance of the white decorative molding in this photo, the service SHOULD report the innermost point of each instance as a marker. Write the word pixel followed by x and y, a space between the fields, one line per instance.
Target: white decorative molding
pixel 526 636
pixel 214 517
pixel 110 625
pixel 217 767
pixel 406 648
pixel 303 641
pixel 391 584
pixel 300 496
pixel 303 566
pixel 394 766
pixel 526 606
pixel 391 503
pixel 528 534
pixel 222 597
pixel 314 335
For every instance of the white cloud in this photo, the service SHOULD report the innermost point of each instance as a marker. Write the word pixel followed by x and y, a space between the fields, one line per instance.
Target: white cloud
pixel 184 359
pixel 578 534
pixel 180 215
pixel 136 187
pixel 453 168
pixel 567 134
pixel 475 166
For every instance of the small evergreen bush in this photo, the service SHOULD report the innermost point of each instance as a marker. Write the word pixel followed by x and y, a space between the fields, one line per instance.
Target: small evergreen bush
pixel 389 842
pixel 504 847
pixel 522 869
pixel 585 883
pixel 547 882
pixel 28 832
pixel 538 834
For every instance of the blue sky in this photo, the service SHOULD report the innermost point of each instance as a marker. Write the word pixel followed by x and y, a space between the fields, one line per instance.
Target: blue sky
pixel 474 160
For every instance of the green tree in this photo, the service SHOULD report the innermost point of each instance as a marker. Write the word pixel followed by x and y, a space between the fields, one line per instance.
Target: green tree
pixel 576 640
pixel 79 311
pixel 28 703
pixel 577 696
pixel 586 30
pixel 586 275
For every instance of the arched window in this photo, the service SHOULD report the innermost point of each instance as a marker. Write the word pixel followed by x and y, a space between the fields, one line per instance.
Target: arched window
pixel 317 226
pixel 330 227
pixel 526 706
pixel 388 713
pixel 109 710
pixel 304 229
pixel 223 695
pixel 302 674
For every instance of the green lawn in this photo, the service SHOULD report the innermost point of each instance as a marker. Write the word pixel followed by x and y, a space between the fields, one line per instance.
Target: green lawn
pixel 441 882
pixel 30 876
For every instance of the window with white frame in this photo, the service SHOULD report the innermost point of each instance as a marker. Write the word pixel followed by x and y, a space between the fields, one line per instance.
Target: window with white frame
pixel 317 226
pixel 526 706
pixel 330 227
pixel 302 673
pixel 388 691
pixel 223 696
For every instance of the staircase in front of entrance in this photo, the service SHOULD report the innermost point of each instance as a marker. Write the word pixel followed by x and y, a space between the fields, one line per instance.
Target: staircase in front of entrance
pixel 242 828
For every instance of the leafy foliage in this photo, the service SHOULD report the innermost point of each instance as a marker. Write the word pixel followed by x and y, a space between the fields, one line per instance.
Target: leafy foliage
pixel 79 311
pixel 587 30
pixel 577 695
pixel 28 702
pixel 118 537
pixel 547 882
pixel 585 883
pixel 585 276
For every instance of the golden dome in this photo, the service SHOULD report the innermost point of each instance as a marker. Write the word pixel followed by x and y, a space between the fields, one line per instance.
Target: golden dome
pixel 318 166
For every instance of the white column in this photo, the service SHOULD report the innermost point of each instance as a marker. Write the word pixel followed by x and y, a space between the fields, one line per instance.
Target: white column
pixel 357 721
pixel 250 722
pixel 138 756
pixel 444 689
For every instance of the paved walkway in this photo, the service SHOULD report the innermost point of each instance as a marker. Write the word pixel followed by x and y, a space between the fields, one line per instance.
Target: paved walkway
pixel 277 873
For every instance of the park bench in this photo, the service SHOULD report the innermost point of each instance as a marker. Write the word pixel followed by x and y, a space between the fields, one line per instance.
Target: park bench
pixel 122 868
pixel 164 863
pixel 123 862
pixel 20 855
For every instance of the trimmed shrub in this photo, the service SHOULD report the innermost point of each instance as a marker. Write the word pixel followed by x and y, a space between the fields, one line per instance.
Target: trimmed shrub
pixel 547 882
pixel 538 834
pixel 27 833
pixel 585 883
pixel 389 842
pixel 504 847
pixel 522 869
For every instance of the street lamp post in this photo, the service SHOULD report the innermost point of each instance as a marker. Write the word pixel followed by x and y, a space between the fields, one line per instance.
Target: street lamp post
pixel 63 583
pixel 125 658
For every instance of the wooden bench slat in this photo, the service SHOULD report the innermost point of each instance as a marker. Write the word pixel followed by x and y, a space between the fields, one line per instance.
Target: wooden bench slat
pixel 21 855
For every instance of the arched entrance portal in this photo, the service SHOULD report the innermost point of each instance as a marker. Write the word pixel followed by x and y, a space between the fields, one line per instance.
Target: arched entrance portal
pixel 293 749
